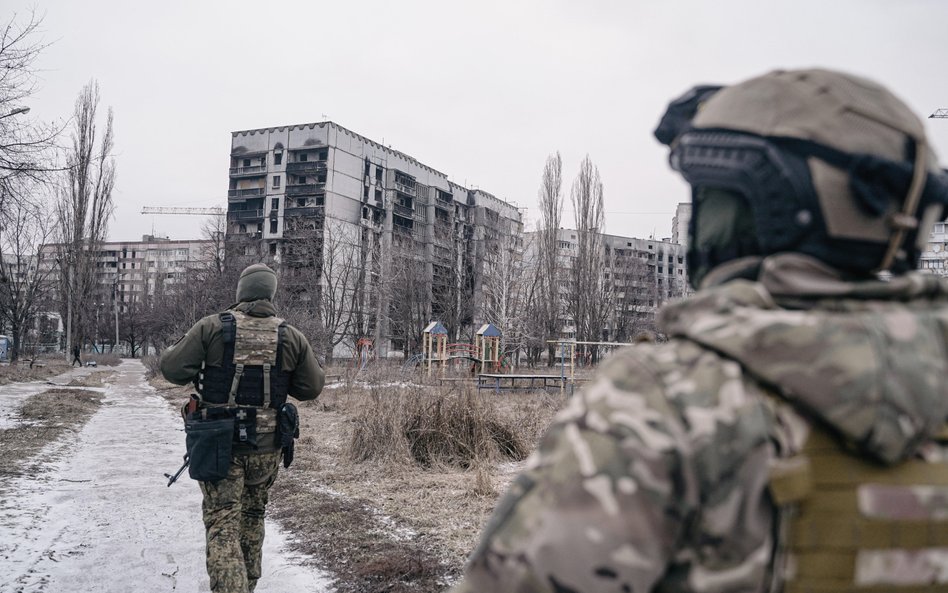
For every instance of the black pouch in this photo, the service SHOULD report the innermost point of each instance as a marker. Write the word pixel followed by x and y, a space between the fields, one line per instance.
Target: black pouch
pixel 288 430
pixel 209 444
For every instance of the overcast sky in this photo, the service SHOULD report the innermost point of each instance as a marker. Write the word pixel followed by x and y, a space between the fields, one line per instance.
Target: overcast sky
pixel 482 91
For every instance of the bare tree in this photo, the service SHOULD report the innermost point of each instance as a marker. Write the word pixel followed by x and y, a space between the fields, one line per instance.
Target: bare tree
pixel 410 305
pixel 545 293
pixel 588 292
pixel 323 283
pixel 25 143
pixel 505 286
pixel 85 205
pixel 25 292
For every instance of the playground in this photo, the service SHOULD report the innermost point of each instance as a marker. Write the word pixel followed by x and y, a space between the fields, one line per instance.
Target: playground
pixel 485 365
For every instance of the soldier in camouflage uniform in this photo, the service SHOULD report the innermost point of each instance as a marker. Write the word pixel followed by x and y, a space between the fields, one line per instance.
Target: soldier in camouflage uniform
pixel 786 436
pixel 234 506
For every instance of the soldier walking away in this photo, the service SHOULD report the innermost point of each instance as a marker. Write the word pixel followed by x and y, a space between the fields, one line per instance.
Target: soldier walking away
pixel 787 435
pixel 244 363
pixel 75 356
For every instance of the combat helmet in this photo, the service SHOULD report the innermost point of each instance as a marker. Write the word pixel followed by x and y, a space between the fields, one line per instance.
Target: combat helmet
pixel 824 163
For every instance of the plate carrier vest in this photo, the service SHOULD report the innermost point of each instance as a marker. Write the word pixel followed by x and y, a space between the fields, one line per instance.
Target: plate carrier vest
pixel 251 372
pixel 846 519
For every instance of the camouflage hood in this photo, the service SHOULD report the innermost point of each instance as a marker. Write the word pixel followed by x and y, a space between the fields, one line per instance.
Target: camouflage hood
pixel 867 358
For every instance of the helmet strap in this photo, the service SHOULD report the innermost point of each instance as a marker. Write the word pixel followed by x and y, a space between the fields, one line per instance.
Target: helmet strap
pixel 906 220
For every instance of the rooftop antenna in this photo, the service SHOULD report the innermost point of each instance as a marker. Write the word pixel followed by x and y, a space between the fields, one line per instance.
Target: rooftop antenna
pixel 939 114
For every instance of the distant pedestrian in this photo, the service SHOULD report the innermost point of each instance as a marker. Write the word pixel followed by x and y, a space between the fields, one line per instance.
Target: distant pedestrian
pixel 75 356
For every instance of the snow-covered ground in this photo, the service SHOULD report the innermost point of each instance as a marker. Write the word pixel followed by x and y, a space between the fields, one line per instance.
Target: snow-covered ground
pixel 101 518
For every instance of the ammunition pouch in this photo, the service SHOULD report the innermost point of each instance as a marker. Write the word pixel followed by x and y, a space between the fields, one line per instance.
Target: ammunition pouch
pixel 288 430
pixel 209 442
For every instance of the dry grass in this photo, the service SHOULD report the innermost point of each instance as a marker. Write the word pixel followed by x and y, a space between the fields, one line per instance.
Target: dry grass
pixel 21 371
pixel 434 427
pixel 388 471
pixel 45 417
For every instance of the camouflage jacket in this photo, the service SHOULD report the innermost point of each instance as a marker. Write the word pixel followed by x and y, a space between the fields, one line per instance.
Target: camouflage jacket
pixel 655 476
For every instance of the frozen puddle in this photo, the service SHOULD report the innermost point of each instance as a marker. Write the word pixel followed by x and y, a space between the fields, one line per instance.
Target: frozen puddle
pixel 102 519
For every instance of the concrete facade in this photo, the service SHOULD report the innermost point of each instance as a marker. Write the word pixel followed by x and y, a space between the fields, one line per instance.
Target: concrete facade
pixel 643 273
pixel 289 181
pixel 680 223
pixel 128 271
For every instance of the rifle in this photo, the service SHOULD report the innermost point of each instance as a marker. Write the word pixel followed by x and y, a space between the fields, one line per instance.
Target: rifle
pixel 173 478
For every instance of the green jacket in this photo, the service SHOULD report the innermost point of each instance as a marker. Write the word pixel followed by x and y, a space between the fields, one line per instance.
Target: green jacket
pixel 181 362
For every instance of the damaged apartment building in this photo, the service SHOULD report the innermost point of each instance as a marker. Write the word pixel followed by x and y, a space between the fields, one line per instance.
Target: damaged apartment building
pixel 392 240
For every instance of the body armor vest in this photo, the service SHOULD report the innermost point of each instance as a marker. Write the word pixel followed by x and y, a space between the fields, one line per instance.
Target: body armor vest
pixel 852 525
pixel 251 372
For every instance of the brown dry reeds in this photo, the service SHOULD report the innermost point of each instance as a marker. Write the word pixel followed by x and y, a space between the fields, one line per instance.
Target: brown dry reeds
pixel 432 427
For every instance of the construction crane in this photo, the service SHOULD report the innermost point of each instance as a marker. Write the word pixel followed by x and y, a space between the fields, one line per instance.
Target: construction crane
pixel 179 210
pixel 939 114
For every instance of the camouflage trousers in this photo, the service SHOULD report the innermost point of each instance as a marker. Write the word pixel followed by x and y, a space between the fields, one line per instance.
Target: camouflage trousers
pixel 233 517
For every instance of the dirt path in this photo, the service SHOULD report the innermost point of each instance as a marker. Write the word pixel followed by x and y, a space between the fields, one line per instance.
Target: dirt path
pixel 100 518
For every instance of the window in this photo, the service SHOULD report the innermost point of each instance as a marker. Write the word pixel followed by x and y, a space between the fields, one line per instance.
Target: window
pixel 321 178
pixel 276 182
pixel 301 179
pixel 378 195
pixel 300 202
pixel 324 154
pixel 275 204
pixel 277 158
pixel 302 157
pixel 378 173
pixel 368 167
pixel 246 162
pixel 365 192
pixel 273 248
pixel 242 228
pixel 273 226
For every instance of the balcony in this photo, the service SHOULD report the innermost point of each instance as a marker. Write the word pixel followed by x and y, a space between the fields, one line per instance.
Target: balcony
pixel 253 192
pixel 244 214
pixel 408 190
pixel 402 210
pixel 306 168
pixel 255 171
pixel 305 189
pixel 304 211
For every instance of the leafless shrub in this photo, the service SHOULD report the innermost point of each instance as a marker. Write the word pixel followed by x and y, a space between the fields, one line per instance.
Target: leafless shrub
pixel 151 366
pixel 434 427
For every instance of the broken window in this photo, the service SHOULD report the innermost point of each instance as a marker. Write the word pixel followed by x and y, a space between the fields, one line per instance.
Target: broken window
pixel 273 248
pixel 302 157
pixel 276 182
pixel 273 226
pixel 277 158
pixel 275 204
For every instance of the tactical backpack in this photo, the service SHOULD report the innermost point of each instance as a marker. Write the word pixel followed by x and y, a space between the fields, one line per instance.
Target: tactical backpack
pixel 852 525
